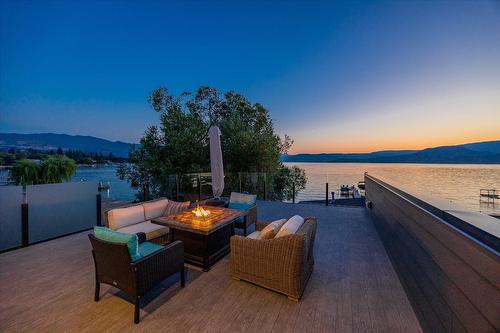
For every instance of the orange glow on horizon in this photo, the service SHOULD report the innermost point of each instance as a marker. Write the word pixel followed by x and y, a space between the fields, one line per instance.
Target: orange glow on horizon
pixel 317 147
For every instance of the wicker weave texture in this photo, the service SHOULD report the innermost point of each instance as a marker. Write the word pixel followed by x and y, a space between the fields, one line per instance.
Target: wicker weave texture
pixel 282 264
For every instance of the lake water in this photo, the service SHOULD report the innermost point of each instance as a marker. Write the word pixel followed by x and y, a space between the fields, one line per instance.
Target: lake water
pixel 119 189
pixel 458 184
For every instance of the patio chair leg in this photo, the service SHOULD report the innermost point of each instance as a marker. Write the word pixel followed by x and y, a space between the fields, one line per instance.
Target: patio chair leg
pixel 137 310
pixel 97 291
pixel 183 277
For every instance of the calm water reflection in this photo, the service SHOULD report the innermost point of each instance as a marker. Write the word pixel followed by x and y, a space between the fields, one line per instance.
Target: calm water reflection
pixel 455 183
pixel 458 184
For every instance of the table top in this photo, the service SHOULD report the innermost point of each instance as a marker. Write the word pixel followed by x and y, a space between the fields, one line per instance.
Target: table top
pixel 187 221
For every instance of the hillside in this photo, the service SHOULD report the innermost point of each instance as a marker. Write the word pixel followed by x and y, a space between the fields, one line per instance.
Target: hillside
pixel 51 141
pixel 477 152
pixel 474 153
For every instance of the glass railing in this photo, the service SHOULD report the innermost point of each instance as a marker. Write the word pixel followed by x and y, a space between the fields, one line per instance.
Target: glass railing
pixel 198 186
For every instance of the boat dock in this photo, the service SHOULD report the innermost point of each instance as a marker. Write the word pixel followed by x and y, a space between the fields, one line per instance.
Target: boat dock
pixel 488 194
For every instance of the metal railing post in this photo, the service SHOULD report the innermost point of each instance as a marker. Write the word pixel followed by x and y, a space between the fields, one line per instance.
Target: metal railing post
pixel 177 187
pixel 98 204
pixel 265 187
pixel 293 191
pixel 326 195
pixel 239 179
pixel 199 187
pixel 25 224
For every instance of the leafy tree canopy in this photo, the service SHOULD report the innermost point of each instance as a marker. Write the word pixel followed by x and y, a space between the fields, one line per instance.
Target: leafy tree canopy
pixel 179 144
pixel 54 169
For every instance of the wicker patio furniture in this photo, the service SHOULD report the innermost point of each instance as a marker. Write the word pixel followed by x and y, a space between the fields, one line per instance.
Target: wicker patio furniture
pixel 206 239
pixel 136 217
pixel 113 266
pixel 282 264
pixel 247 202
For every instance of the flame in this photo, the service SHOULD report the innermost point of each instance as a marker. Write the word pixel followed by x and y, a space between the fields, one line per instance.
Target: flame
pixel 200 212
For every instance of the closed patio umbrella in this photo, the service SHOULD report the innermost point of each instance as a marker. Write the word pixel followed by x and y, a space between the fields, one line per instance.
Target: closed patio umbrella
pixel 216 166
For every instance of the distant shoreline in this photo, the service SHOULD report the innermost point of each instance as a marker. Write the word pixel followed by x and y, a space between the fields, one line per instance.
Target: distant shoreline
pixel 379 162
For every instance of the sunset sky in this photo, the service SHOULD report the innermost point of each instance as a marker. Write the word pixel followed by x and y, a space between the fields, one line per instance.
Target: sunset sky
pixel 341 77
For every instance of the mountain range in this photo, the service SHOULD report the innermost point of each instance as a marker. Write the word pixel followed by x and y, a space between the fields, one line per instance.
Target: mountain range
pixel 478 152
pixel 51 141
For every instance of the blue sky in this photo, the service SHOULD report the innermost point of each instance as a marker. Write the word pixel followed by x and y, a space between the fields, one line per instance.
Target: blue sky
pixel 336 76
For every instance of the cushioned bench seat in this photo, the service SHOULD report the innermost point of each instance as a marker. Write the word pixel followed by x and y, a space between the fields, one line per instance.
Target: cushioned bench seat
pixel 151 230
pixel 137 218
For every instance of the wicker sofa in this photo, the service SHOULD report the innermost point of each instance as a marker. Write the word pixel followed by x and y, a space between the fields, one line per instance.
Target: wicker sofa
pixel 281 264
pixel 135 218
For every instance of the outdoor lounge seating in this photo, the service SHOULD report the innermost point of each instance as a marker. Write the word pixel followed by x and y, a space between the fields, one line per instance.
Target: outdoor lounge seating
pixel 283 264
pixel 114 266
pixel 137 218
pixel 242 201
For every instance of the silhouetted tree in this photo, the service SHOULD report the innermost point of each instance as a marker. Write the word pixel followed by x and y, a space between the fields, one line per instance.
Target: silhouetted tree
pixel 179 145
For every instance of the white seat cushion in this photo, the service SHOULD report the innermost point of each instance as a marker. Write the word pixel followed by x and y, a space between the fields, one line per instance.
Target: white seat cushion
pixel 155 208
pixel 254 235
pixel 291 226
pixel 150 229
pixel 124 217
pixel 271 229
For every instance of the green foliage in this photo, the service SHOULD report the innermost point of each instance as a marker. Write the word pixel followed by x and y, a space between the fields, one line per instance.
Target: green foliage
pixel 87 160
pixel 284 182
pixel 57 169
pixel 24 172
pixel 179 144
pixel 54 169
pixel 7 158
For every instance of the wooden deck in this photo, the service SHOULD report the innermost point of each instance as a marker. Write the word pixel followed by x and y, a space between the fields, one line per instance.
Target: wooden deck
pixel 354 288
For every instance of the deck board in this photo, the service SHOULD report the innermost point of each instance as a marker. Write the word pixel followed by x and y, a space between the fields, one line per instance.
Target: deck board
pixel 354 288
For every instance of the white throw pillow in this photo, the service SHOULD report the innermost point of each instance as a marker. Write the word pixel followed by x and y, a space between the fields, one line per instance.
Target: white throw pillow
pixel 123 217
pixel 254 235
pixel 155 208
pixel 291 226
pixel 271 229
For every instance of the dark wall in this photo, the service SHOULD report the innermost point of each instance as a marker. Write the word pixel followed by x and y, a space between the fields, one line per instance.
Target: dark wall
pixel 452 280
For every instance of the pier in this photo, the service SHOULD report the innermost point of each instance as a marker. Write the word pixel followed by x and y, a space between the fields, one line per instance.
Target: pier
pixel 488 194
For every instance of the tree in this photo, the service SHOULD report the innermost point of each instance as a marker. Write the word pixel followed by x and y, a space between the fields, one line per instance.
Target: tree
pixel 87 160
pixel 289 182
pixel 24 172
pixel 57 169
pixel 54 169
pixel 179 144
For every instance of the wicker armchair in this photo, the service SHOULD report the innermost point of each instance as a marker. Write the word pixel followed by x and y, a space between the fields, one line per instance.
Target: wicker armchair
pixel 281 264
pixel 113 266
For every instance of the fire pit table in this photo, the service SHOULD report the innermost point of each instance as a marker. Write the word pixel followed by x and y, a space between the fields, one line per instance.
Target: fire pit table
pixel 205 231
